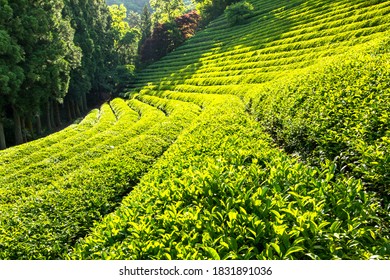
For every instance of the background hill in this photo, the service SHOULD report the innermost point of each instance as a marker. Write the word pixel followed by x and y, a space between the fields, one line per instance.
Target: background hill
pixel 267 139
pixel 133 5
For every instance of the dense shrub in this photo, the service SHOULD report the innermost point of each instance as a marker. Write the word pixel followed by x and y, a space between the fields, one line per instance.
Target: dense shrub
pixel 238 12
pixel 211 9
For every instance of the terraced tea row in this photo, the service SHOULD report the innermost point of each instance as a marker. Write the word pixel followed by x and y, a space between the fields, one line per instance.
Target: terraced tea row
pixel 267 140
pixel 347 103
pixel 223 191
pixel 265 53
pixel 253 63
pixel 72 145
pixel 44 214
pixel 16 153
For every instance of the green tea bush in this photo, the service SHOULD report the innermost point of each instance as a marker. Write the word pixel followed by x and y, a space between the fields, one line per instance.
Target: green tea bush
pixel 339 112
pixel 223 192
pixel 266 140
pixel 50 216
pixel 22 152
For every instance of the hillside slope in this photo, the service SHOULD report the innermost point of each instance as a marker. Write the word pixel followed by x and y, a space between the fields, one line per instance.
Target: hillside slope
pixel 267 140
pixel 301 44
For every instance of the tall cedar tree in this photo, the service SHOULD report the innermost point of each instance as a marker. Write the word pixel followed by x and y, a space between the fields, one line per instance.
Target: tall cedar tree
pixel 146 25
pixel 11 74
pixel 93 34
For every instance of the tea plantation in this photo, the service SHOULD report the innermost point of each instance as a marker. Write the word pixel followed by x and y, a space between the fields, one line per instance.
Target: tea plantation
pixel 266 140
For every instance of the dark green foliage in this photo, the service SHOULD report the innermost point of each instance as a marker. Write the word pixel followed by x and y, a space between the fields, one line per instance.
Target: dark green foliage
pixel 238 12
pixel 59 49
pixel 45 40
pixel 124 75
pixel 94 30
pixel 211 9
pixel 146 22
pixel 11 74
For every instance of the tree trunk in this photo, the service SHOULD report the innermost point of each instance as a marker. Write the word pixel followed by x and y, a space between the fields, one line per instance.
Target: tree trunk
pixel 53 123
pixel 78 109
pixel 3 144
pixel 72 107
pixel 57 116
pixel 85 104
pixel 68 112
pixel 17 127
pixel 24 134
pixel 30 127
pixel 48 118
pixel 39 124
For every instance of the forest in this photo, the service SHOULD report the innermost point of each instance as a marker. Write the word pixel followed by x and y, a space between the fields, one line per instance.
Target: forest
pixel 52 54
pixel 61 58
pixel 220 130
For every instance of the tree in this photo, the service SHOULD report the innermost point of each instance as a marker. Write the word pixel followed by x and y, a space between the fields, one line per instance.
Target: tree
pixel 238 12
pixel 95 37
pixel 126 38
pixel 134 19
pixel 131 5
pixel 168 36
pixel 50 55
pixel 146 24
pixel 11 74
pixel 45 40
pixel 211 9
pixel 166 10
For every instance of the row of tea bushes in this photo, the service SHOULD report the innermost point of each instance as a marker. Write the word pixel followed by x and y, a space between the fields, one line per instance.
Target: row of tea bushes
pixel 347 103
pixel 222 191
pixel 22 153
pixel 47 220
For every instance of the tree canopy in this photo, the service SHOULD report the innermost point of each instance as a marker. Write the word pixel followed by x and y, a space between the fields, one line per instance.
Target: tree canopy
pixel 131 5
pixel 51 52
